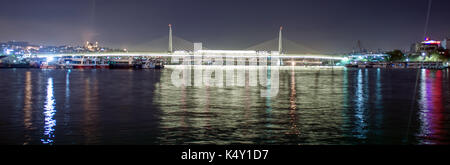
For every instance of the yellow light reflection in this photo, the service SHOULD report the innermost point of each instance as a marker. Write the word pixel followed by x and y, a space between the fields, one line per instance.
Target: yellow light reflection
pixel 28 102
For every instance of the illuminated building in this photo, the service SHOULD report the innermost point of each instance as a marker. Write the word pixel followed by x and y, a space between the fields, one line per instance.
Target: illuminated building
pixel 426 47
pixel 91 46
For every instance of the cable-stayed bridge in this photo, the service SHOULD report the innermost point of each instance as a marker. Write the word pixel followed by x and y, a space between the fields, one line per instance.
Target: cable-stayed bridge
pixel 173 46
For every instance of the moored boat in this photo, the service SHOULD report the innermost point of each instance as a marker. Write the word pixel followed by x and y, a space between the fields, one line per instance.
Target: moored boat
pixel 153 65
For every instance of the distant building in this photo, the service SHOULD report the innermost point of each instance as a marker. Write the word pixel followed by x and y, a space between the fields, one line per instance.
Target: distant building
pixel 27 49
pixel 428 46
pixel 413 49
pixel 445 43
pixel 91 46
pixel 18 44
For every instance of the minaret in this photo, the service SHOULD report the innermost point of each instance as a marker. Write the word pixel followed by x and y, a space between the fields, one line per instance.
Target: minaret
pixel 170 39
pixel 280 41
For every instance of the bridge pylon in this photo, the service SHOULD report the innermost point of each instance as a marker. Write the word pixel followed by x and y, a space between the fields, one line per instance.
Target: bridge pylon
pixel 280 41
pixel 170 49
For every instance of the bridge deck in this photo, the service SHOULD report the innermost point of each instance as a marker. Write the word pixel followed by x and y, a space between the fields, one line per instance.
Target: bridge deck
pixel 162 54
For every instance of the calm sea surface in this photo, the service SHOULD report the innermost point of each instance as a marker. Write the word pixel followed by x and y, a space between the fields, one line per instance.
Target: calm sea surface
pixel 313 106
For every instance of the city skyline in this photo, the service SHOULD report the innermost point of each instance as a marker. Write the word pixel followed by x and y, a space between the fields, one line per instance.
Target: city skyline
pixel 325 26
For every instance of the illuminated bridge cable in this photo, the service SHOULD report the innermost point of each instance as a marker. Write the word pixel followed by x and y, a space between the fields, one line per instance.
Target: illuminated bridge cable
pixel 418 73
pixel 288 46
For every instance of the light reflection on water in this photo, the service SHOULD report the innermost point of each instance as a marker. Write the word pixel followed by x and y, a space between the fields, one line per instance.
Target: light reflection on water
pixel 49 113
pixel 378 115
pixel 293 105
pixel 432 108
pixel 313 106
pixel 27 108
pixel 361 93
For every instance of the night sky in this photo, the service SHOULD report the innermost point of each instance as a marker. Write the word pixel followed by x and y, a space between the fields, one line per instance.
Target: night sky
pixel 329 26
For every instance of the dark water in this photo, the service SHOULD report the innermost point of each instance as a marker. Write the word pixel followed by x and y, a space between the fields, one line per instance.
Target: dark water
pixel 326 106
